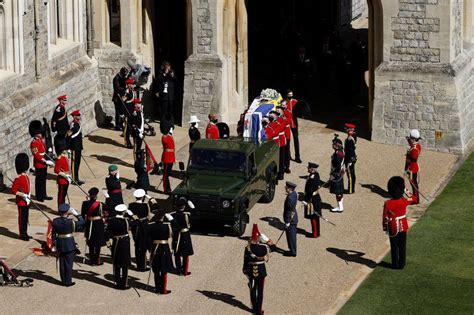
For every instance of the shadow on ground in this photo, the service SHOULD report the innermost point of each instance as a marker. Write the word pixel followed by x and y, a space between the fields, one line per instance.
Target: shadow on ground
pixel 352 256
pixel 226 298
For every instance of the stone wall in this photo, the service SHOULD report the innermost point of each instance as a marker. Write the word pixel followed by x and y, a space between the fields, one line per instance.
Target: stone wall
pixel 351 10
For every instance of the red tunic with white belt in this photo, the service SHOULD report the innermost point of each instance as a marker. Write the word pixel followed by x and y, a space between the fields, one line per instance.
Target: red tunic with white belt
pixel 411 163
pixel 289 107
pixel 395 215
pixel 62 165
pixel 212 132
pixel 38 150
pixel 21 184
pixel 168 155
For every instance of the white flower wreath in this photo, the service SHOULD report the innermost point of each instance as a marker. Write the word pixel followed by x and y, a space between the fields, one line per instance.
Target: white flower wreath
pixel 269 94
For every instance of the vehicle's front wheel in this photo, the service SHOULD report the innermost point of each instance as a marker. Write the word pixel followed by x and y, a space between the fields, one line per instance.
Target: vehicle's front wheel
pixel 238 228
pixel 269 189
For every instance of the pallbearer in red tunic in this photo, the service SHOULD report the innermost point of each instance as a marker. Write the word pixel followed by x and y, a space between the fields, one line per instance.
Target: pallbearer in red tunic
pixel 21 189
pixel 40 162
pixel 256 255
pixel 286 116
pixel 394 220
pixel 278 126
pixel 312 199
pixel 63 178
pixel 411 162
pixel 212 132
pixel 168 156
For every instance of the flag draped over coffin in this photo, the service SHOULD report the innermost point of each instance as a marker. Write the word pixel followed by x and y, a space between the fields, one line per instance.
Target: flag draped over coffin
pixel 253 118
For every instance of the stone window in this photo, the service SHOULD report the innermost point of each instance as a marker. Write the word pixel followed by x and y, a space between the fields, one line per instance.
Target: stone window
pixel 65 24
pixel 115 35
pixel 11 37
pixel 144 21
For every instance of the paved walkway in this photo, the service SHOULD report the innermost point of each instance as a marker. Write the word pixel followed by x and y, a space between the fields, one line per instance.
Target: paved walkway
pixel 316 281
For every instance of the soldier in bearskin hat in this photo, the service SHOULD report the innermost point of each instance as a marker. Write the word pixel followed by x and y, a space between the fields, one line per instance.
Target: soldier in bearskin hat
pixel 336 179
pixel 394 220
pixel 40 163
pixel 312 199
pixel 182 244
pixel 168 157
pixel 256 255
pixel 21 190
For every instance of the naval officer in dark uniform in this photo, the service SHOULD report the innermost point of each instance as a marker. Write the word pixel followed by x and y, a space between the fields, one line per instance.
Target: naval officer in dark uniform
pixel 63 239
pixel 290 217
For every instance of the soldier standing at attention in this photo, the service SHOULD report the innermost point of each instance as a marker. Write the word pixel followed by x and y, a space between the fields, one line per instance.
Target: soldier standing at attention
pixel 411 163
pixel 118 229
pixel 63 178
pixel 128 105
pixel 60 124
pixel 290 217
pixel 119 92
pixel 93 212
pixel 182 244
pixel 312 199
pixel 168 156
pixel 63 239
pixel 256 255
pixel 278 127
pixel 194 133
pixel 21 190
pixel 212 132
pixel 114 188
pixel 137 123
pixel 336 178
pixel 290 104
pixel 40 162
pixel 75 145
pixel 141 212
pixel 350 156
pixel 143 180
pixel 286 116
pixel 161 262
pixel 394 220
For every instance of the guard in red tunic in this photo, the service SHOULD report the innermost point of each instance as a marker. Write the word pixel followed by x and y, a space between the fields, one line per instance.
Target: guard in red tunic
pixel 60 124
pixel 336 178
pixel 63 178
pixel 40 161
pixel 350 156
pixel 212 132
pixel 21 189
pixel 168 157
pixel 411 162
pixel 312 199
pixel 256 255
pixel 290 104
pixel 278 125
pixel 394 220
pixel 286 117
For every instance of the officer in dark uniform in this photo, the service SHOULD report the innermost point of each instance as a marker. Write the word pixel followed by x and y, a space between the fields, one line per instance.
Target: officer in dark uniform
pixel 75 145
pixel 182 244
pixel 114 188
pixel 290 217
pixel 119 91
pixel 93 212
pixel 128 105
pixel 194 133
pixel 256 255
pixel 350 157
pixel 117 229
pixel 63 239
pixel 336 178
pixel 159 233
pixel 143 180
pixel 60 124
pixel 312 199
pixel 137 125
pixel 141 212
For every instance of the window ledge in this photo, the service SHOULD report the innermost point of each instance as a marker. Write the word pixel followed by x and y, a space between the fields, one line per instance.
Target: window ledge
pixel 6 75
pixel 61 46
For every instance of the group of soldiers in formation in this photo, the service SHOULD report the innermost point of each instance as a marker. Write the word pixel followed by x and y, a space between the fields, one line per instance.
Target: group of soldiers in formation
pixel 109 223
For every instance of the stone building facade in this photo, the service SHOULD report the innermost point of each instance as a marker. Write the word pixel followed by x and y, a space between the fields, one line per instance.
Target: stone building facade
pixel 420 63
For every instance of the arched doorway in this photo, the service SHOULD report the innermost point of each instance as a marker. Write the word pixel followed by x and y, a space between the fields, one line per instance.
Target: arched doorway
pixel 308 47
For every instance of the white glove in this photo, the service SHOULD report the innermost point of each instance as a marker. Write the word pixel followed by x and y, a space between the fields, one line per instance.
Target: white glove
pixel 287 225
pixel 169 217
pixel 140 135
pixel 171 130
pixel 191 204
pixel 27 199
pixel 118 175
pixel 149 197
pixel 264 238
pixel 130 213
pixel 405 173
pixel 304 203
pixel 105 193
pixel 50 149
pixel 69 178
pixel 73 211
pixel 49 163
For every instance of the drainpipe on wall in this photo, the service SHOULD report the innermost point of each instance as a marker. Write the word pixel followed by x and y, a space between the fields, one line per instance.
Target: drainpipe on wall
pixel 90 28
pixel 36 14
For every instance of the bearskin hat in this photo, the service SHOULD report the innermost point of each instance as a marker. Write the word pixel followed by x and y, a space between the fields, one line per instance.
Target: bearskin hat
pixel 60 143
pixel 396 187
pixel 166 124
pixel 22 163
pixel 35 127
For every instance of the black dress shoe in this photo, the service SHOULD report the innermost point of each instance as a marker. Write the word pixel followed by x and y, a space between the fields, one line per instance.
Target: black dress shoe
pixel 40 199
pixel 298 160
pixel 80 182
pixel 287 171
pixel 69 284
pixel 25 238
pixel 48 198
pixel 126 287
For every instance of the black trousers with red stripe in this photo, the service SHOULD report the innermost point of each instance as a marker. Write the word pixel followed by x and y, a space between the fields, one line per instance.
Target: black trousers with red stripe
pixel 161 282
pixel 182 264
pixel 256 293
pixel 167 168
pixel 315 227
pixel 414 185
pixel 23 213
pixel 62 192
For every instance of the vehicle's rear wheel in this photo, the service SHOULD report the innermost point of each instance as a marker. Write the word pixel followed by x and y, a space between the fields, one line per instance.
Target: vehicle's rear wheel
pixel 269 189
pixel 238 228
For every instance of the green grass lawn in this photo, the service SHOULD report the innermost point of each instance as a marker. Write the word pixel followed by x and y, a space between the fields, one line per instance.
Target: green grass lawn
pixel 439 275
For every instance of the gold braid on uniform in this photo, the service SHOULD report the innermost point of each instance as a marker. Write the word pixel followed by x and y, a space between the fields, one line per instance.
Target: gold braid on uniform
pixel 260 258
